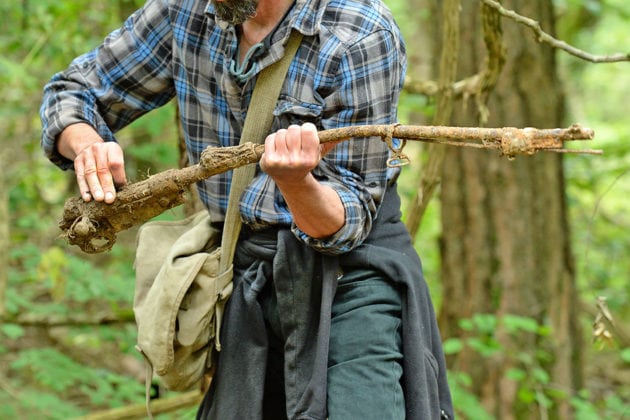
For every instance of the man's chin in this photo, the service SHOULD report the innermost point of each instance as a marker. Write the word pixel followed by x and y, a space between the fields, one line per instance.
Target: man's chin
pixel 235 12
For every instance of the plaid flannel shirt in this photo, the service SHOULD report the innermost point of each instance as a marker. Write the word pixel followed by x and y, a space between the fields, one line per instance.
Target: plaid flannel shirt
pixel 348 70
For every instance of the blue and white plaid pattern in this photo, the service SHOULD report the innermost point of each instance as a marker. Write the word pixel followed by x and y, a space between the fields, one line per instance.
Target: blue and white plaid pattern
pixel 348 71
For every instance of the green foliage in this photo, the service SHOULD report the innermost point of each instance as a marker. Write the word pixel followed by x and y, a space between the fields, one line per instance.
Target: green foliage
pixel 611 407
pixel 467 404
pixel 55 374
pixel 535 388
pixel 46 277
pixel 598 186
pixel 482 336
pixel 11 331
pixel 32 404
pixel 57 281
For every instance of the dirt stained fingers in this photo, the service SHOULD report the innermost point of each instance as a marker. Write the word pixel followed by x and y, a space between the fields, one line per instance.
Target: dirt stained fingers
pixel 99 170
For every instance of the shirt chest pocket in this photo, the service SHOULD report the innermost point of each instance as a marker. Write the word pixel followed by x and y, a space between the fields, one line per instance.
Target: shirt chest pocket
pixel 291 110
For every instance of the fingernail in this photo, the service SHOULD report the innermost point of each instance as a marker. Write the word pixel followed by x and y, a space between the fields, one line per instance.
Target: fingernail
pixel 98 195
pixel 109 196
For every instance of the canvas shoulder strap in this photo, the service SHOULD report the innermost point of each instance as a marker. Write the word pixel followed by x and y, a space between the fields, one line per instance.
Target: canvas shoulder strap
pixel 257 125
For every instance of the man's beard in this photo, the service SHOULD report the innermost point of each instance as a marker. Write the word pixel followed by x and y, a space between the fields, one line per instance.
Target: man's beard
pixel 235 12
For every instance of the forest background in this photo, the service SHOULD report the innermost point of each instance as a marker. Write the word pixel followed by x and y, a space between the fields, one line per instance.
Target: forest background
pixel 67 332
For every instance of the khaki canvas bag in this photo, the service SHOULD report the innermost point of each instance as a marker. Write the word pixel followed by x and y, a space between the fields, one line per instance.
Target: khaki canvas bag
pixel 184 268
pixel 179 298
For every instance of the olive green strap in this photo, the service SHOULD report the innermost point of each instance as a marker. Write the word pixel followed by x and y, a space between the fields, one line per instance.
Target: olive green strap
pixel 257 125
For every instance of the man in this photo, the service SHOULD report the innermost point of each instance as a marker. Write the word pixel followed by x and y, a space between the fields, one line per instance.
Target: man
pixel 330 316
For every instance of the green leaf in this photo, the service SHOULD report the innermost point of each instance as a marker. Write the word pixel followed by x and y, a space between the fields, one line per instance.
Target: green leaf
pixel 516 374
pixel 484 347
pixel 526 395
pixel 452 346
pixel 485 323
pixel 541 376
pixel 12 331
pixel 515 324
pixel 466 324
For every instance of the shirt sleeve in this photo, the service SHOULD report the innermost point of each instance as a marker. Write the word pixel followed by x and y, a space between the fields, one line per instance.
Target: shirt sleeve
pixel 109 87
pixel 370 77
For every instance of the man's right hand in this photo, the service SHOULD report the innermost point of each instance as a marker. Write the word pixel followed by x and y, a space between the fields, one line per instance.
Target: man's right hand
pixel 99 165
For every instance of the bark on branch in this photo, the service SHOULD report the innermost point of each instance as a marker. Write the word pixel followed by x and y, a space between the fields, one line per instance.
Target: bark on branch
pixel 93 226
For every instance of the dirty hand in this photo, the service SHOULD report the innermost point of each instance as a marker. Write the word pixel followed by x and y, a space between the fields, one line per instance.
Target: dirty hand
pixel 100 169
pixel 99 165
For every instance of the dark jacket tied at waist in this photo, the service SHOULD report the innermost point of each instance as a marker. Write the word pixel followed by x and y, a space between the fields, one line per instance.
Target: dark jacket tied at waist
pixel 305 282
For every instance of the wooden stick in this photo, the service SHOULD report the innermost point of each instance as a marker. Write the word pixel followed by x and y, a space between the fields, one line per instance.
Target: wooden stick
pixel 93 225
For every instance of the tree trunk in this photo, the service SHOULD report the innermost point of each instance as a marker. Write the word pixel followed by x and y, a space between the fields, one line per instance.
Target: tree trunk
pixel 505 246
pixel 447 71
pixel 4 233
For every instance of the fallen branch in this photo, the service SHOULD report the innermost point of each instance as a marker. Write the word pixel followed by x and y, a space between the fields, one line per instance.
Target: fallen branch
pixel 93 226
pixel 69 320
pixel 139 411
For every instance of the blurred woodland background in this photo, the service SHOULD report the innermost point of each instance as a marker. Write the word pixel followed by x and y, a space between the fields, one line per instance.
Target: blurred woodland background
pixel 528 259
